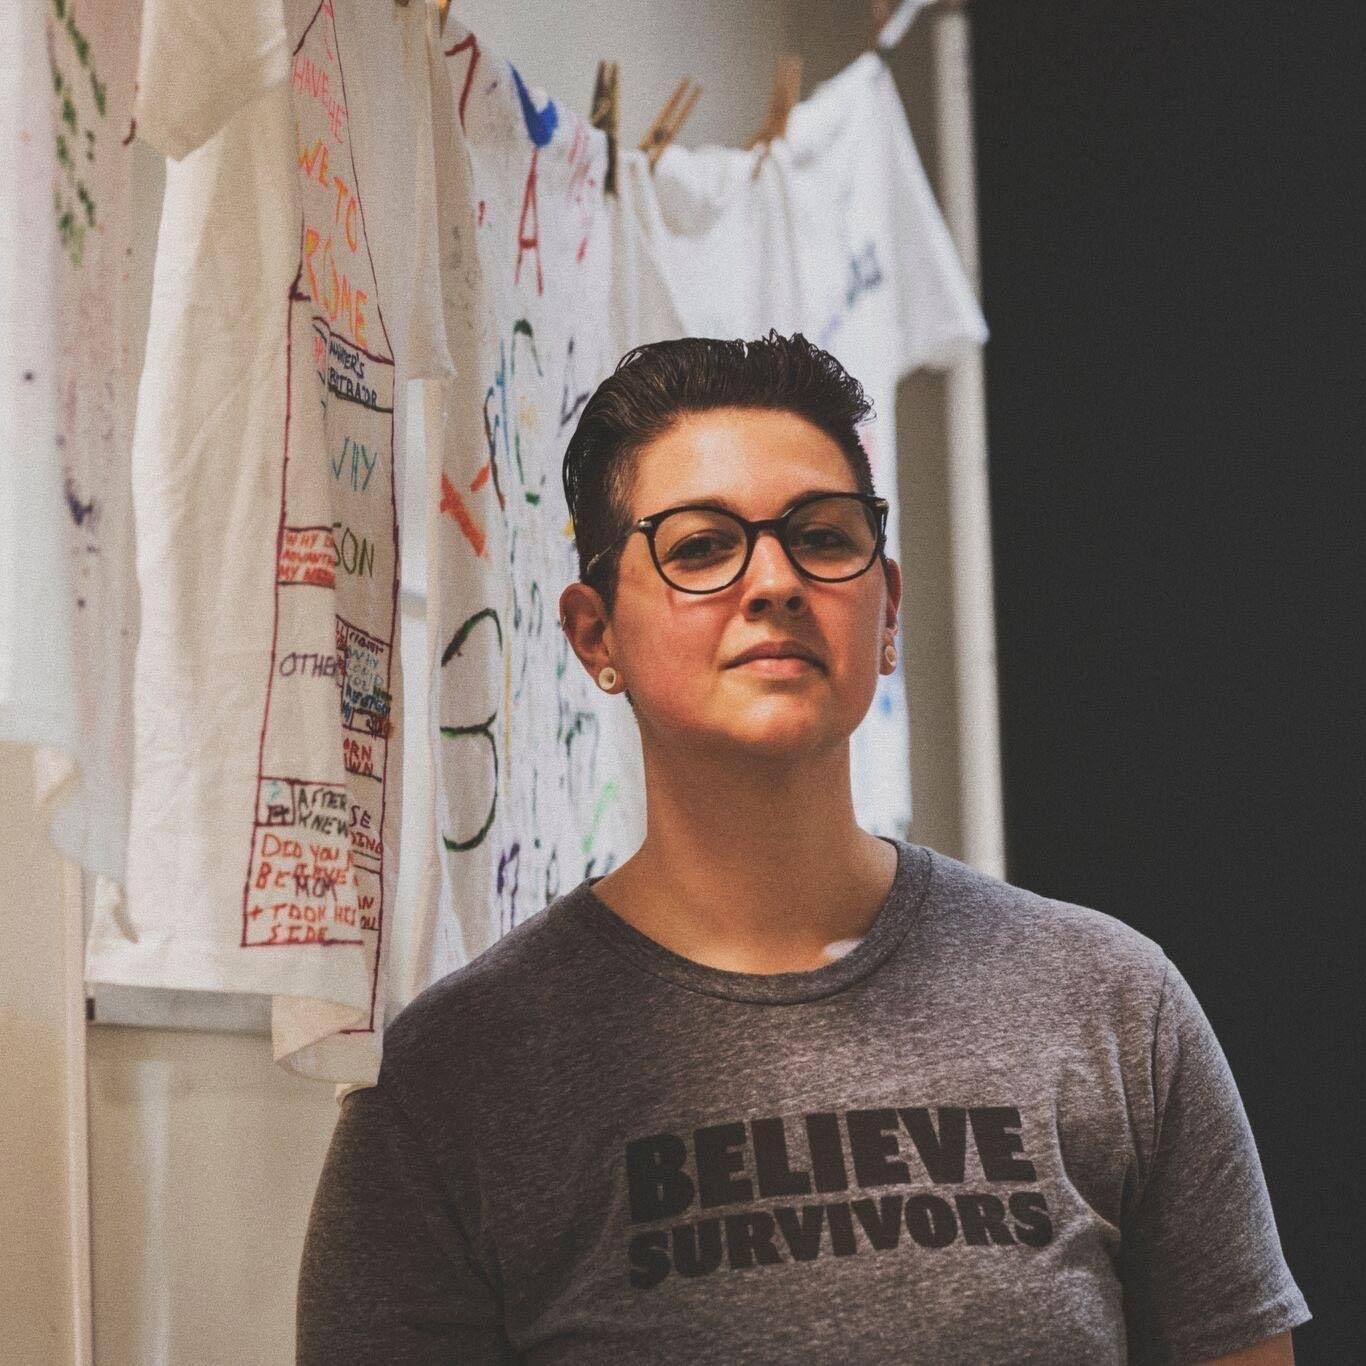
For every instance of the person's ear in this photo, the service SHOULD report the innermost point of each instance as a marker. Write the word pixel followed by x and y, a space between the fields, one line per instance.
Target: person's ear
pixel 583 618
pixel 892 573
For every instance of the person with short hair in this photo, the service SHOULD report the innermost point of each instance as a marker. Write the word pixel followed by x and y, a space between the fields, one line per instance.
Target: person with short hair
pixel 777 1089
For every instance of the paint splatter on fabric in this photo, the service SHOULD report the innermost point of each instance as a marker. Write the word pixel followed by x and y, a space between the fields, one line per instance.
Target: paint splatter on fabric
pixel 68 598
pixel 537 775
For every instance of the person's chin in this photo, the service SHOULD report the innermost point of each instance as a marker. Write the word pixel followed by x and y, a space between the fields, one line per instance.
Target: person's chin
pixel 781 720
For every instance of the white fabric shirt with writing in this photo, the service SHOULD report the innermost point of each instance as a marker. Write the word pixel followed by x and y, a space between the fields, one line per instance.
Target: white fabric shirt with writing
pixel 291 301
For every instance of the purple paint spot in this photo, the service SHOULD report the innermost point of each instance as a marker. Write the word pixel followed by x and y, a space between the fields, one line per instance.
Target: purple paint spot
pixel 79 510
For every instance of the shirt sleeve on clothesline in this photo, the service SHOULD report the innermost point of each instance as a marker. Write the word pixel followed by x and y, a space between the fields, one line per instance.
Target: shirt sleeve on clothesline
pixel 1200 1260
pixel 939 319
pixel 388 1273
pixel 198 64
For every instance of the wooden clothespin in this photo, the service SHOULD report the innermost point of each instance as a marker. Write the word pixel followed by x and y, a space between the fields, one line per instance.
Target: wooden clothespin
pixel 605 116
pixel 787 90
pixel 879 11
pixel 669 120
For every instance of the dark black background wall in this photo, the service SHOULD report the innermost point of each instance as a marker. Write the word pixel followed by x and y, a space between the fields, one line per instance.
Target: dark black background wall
pixel 1171 269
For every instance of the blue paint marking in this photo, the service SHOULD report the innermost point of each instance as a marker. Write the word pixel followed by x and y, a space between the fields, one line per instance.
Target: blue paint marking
pixel 540 123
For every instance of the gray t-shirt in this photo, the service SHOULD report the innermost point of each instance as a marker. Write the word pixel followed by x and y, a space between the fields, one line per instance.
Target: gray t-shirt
pixel 999 1129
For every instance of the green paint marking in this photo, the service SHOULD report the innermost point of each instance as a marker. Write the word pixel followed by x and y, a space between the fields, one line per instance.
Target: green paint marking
pixel 78 40
pixel 605 798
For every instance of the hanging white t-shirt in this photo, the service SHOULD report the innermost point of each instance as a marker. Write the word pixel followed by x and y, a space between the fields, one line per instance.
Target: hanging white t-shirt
pixel 292 299
pixel 537 775
pixel 834 233
pixel 68 593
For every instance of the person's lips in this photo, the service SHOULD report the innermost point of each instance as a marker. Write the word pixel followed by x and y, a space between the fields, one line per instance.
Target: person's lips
pixel 776 649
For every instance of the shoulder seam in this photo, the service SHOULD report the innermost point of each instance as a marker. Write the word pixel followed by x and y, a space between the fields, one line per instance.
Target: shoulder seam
pixel 1158 1115
pixel 401 1107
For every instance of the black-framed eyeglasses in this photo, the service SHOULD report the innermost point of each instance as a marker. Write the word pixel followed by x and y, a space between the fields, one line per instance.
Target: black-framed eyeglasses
pixel 829 537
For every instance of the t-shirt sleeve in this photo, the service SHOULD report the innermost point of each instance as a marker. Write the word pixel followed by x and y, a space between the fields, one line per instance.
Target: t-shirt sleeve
pixel 199 63
pixel 939 320
pixel 388 1273
pixel 1200 1260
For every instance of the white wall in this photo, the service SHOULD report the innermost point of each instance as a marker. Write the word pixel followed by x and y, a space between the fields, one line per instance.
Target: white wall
pixel 204 1154
pixel 729 49
pixel 204 1157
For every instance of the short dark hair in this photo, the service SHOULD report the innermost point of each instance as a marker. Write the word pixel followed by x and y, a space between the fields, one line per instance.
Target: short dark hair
pixel 653 386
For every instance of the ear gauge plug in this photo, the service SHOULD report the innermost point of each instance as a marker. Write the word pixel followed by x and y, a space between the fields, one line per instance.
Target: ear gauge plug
pixel 607 678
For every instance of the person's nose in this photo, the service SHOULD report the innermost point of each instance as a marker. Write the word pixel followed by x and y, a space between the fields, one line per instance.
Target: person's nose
pixel 770 574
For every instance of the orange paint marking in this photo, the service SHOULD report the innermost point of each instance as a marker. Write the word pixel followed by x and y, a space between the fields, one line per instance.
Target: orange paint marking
pixel 453 506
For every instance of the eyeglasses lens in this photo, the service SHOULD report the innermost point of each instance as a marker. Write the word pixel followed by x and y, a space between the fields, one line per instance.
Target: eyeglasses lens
pixel 701 549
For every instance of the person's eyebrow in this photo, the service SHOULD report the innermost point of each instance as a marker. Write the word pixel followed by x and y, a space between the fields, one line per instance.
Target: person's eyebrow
pixel 724 505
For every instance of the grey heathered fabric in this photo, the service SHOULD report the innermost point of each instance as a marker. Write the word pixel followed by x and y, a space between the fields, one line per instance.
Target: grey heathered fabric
pixel 1000 1129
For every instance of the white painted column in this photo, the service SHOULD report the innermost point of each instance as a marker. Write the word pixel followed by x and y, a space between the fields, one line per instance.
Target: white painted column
pixel 982 805
pixel 77 1085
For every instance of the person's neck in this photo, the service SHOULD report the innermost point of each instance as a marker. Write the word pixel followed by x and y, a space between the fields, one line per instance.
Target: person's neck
pixel 765 872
